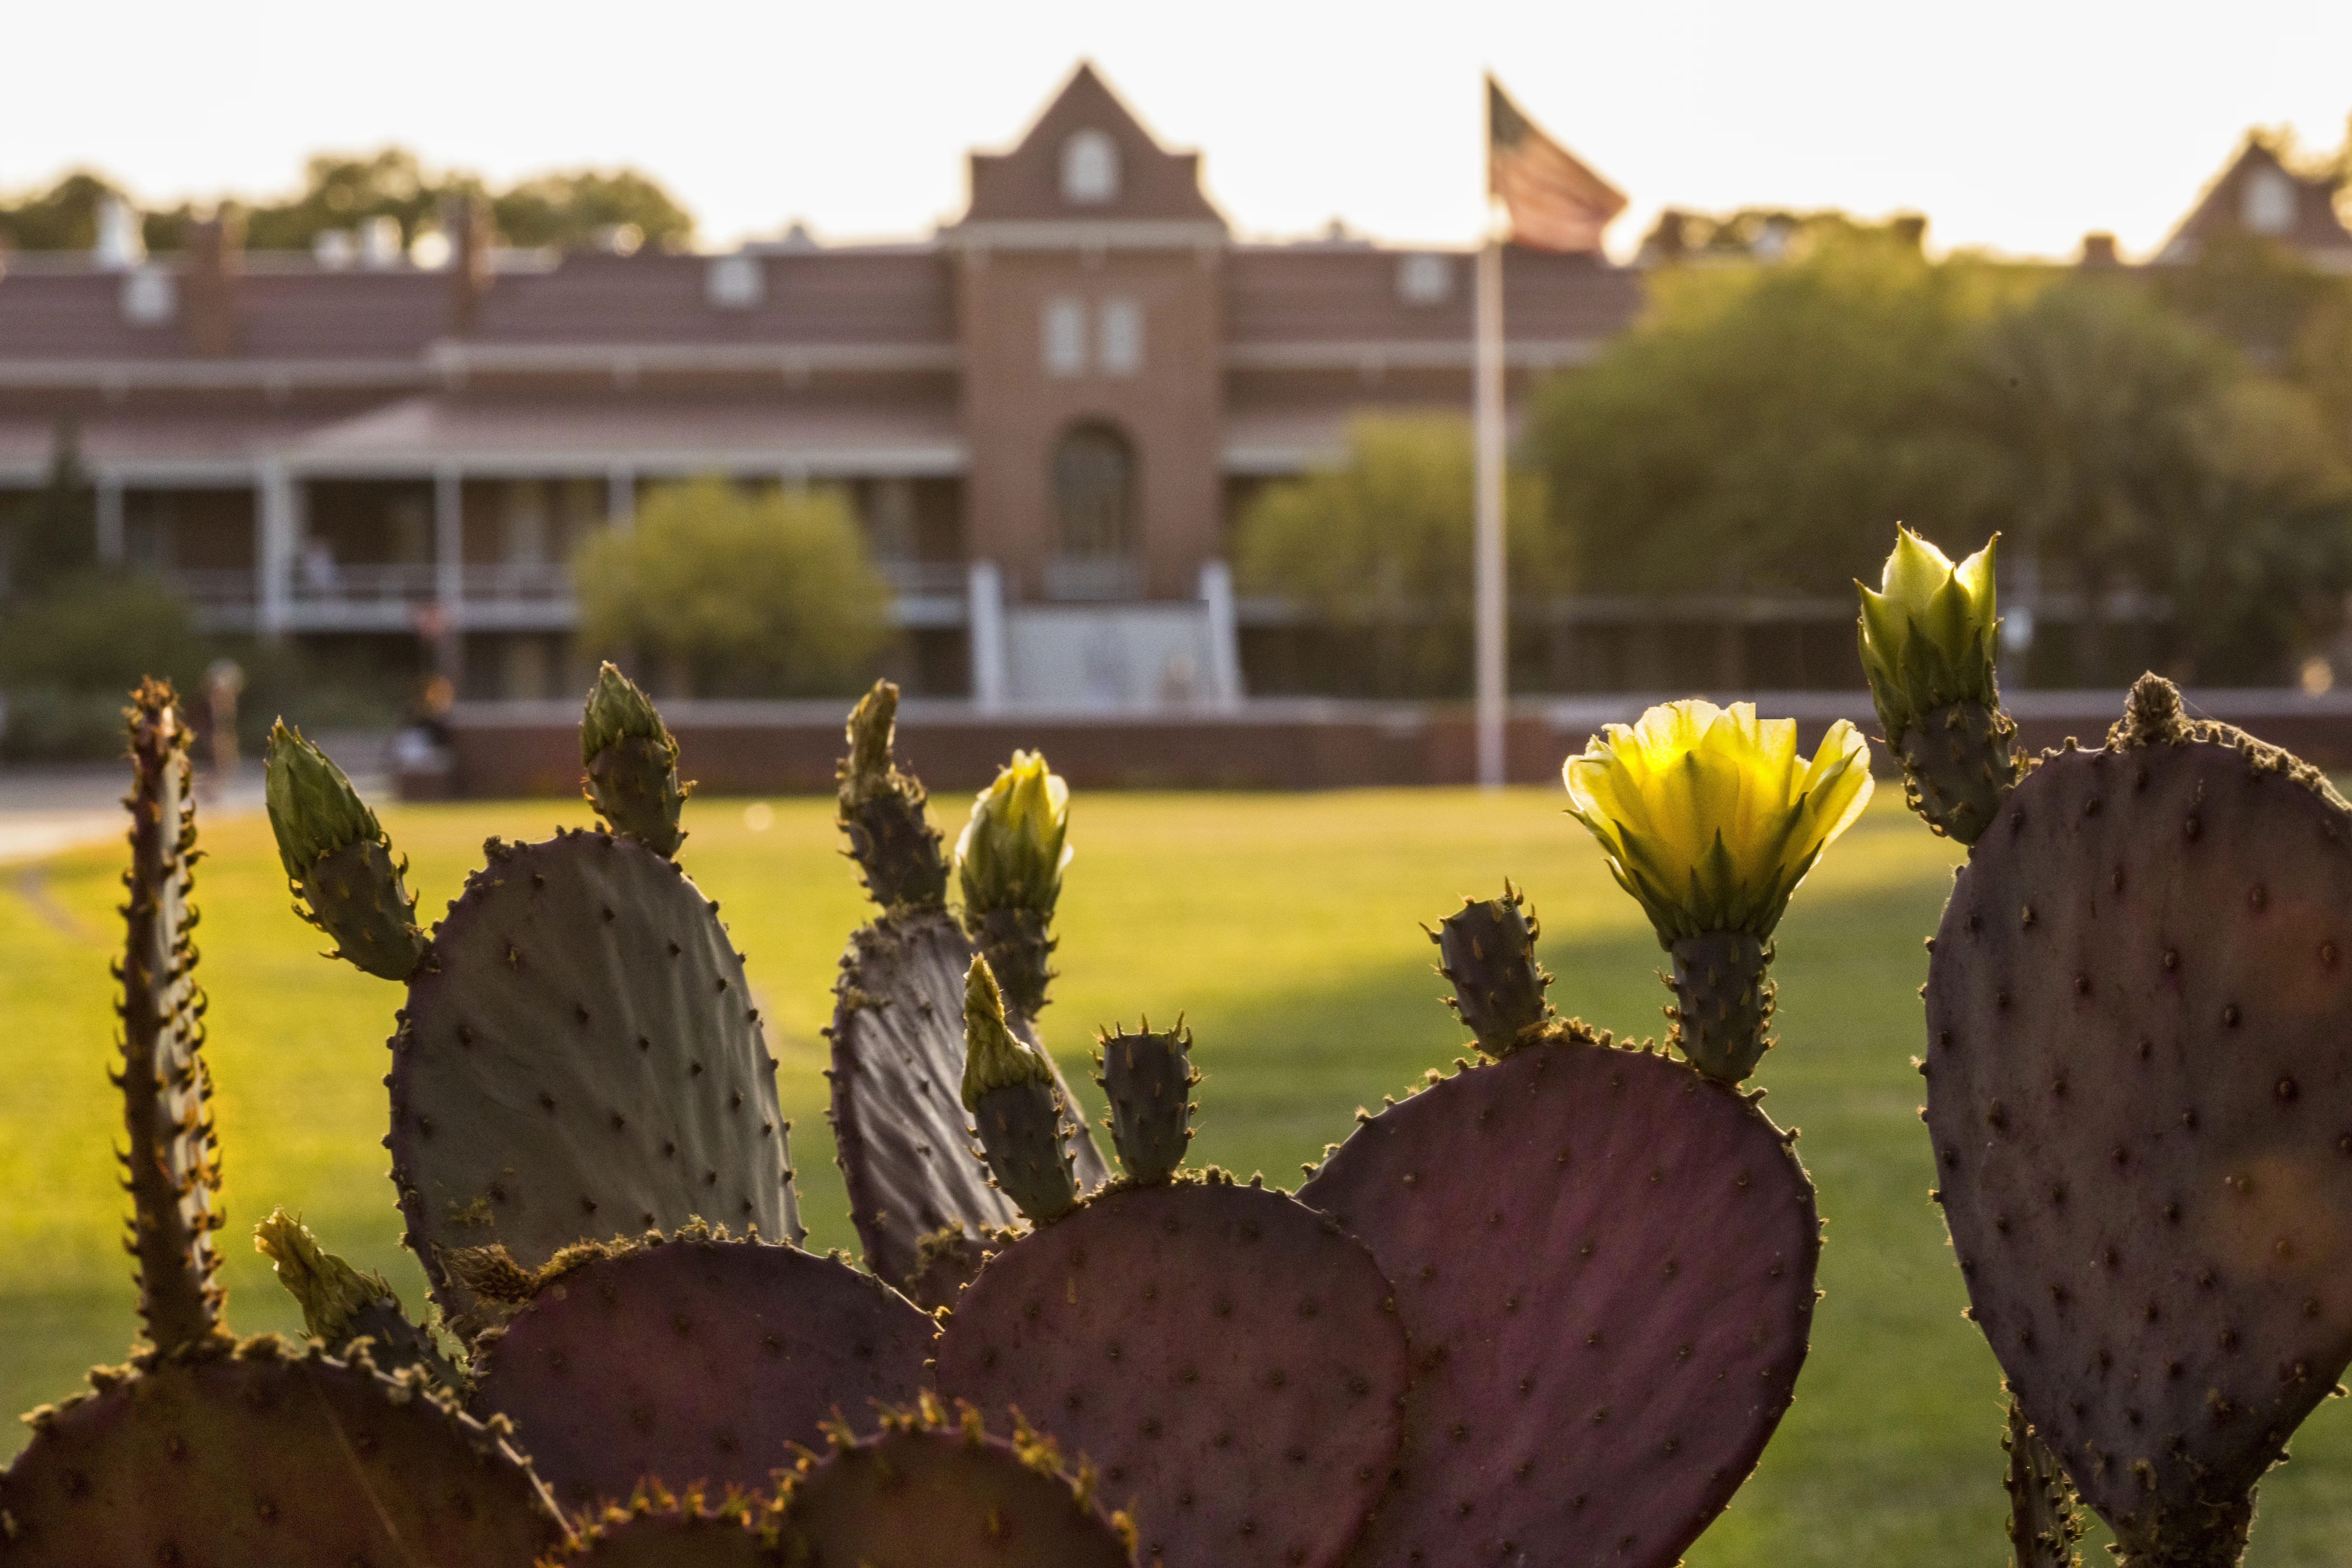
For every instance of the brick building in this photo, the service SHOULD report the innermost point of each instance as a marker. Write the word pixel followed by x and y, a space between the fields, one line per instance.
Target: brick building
pixel 1046 413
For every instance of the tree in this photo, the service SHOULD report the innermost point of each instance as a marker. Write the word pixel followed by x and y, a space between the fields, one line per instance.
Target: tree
pixel 63 217
pixel 572 210
pixel 733 595
pixel 1763 428
pixel 56 532
pixel 1381 545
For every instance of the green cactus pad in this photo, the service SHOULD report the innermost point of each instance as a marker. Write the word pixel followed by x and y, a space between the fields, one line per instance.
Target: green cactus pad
pixel 1488 949
pixel 1604 1263
pixel 882 810
pixel 928 1493
pixel 695 1360
pixel 172 1165
pixel 357 896
pixel 1149 1079
pixel 2139 1085
pixel 267 1456
pixel 1230 1359
pixel 581 1056
pixel 904 1143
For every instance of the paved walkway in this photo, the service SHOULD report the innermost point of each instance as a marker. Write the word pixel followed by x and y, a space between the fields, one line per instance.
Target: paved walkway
pixel 47 809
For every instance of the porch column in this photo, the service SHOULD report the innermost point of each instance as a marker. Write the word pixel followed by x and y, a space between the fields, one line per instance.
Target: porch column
pixel 108 486
pixel 449 540
pixel 274 527
pixel 991 680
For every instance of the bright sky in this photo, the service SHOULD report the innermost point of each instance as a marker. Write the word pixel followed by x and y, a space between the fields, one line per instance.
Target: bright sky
pixel 2014 124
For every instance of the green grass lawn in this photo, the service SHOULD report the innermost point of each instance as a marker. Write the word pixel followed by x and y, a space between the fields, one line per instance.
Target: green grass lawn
pixel 1284 926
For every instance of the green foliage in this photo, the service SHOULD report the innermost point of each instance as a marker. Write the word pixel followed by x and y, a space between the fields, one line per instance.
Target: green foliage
pixel 54 531
pixel 1761 427
pixel 67 658
pixel 736 595
pixel 63 217
pixel 1382 544
pixel 569 210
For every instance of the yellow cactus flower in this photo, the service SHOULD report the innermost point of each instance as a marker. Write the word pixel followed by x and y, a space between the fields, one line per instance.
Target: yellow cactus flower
pixel 1012 853
pixel 1707 815
pixel 1928 633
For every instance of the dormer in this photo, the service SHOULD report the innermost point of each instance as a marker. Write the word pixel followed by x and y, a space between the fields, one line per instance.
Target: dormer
pixel 1087 160
pixel 2259 195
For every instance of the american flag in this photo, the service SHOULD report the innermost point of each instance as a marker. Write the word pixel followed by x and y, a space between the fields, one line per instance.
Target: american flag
pixel 1555 201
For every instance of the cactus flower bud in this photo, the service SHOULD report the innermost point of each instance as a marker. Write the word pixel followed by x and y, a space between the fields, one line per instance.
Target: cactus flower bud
pixel 331 1292
pixel 1011 1093
pixel 339 860
pixel 1707 815
pixel 1927 646
pixel 1928 633
pixel 1009 861
pixel 632 762
pixel 313 808
pixel 1012 853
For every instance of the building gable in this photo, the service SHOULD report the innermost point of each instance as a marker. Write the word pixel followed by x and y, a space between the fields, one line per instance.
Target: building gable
pixel 2259 195
pixel 1087 158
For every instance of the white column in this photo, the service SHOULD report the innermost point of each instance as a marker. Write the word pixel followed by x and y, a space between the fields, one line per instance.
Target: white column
pixel 1224 670
pixel 621 498
pixel 449 540
pixel 110 517
pixel 991 680
pixel 1487 557
pixel 274 526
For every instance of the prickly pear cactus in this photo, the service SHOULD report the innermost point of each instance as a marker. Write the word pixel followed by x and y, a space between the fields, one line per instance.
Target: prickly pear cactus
pixel 340 1304
pixel 661 1530
pixel 2139 1085
pixel 1487 948
pixel 171 1168
pixel 696 1360
pixel 580 1057
pixel 1230 1359
pixel 1149 1079
pixel 882 810
pixel 338 858
pixel 631 761
pixel 1018 1103
pixel 1605 1264
pixel 261 1454
pixel 929 1491
pixel 901 1134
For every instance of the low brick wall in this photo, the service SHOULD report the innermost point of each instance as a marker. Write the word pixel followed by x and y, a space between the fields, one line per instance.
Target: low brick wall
pixel 534 748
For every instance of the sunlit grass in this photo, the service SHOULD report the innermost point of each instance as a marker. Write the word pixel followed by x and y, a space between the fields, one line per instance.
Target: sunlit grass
pixel 1282 925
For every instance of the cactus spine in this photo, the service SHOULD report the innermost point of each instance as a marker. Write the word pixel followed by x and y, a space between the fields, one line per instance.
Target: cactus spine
pixel 172 1163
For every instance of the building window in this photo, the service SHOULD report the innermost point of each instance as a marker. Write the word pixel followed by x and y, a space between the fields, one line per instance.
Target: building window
pixel 2270 204
pixel 1425 279
pixel 1122 338
pixel 1094 493
pixel 1089 168
pixel 1066 337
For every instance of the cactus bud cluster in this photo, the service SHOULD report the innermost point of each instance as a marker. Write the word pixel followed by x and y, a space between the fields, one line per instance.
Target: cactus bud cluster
pixel 1927 640
pixel 339 859
pixel 1010 1091
pixel 632 763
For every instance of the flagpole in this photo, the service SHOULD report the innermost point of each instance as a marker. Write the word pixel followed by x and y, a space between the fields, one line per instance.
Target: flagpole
pixel 1487 555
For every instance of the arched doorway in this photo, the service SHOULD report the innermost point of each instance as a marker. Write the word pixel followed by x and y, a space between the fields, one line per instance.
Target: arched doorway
pixel 1094 481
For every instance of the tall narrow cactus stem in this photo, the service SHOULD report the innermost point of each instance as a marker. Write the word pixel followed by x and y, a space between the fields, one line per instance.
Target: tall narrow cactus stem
pixel 174 1173
pixel 1959 763
pixel 882 811
pixel 1723 1003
